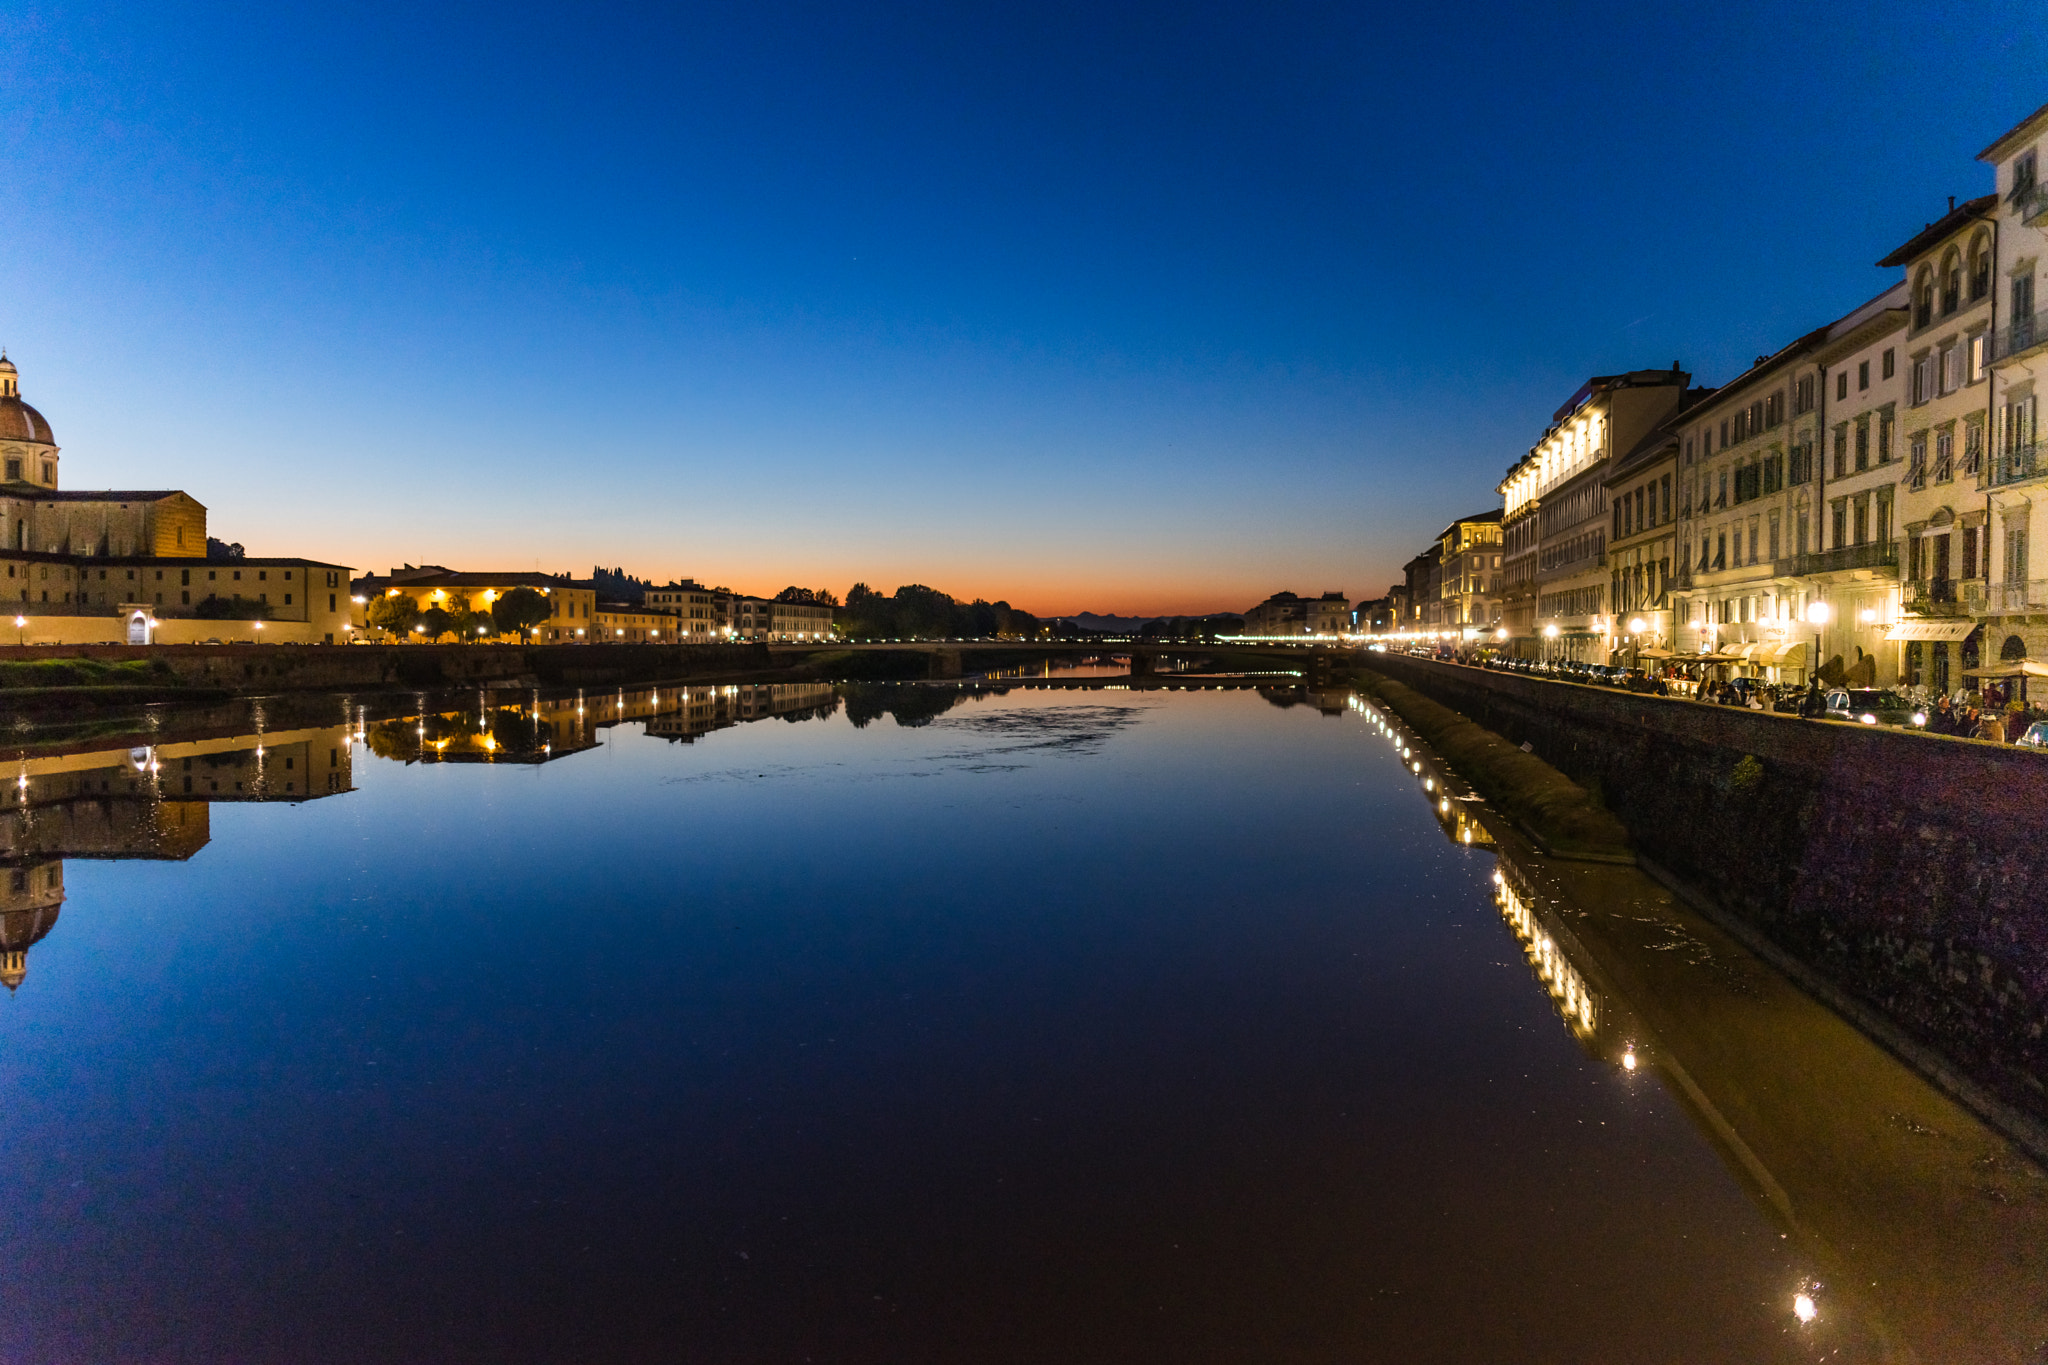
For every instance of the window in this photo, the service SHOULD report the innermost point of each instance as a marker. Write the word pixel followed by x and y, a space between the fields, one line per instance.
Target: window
pixel 1860 513
pixel 1721 499
pixel 1923 298
pixel 1862 375
pixel 1891 365
pixel 1980 268
pixel 2022 301
pixel 1951 282
pixel 1777 548
pixel 14 471
pixel 1667 497
pixel 1916 459
pixel 1802 394
pixel 1944 454
pixel 1724 433
pixel 1862 443
pixel 50 476
pixel 1839 517
pixel 1884 436
pixel 1774 409
pixel 2016 554
pixel 2022 177
pixel 1841 385
pixel 1973 448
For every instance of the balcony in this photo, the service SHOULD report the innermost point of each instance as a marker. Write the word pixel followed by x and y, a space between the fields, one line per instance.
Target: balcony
pixel 1993 598
pixel 1880 557
pixel 2024 334
pixel 2015 466
pixel 1931 597
pixel 2033 205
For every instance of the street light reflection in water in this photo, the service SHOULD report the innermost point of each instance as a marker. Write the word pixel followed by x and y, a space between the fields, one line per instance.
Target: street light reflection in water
pixel 940 1022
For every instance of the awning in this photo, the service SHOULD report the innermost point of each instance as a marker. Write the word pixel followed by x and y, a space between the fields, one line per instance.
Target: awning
pixel 2012 668
pixel 1932 628
pixel 1646 652
pixel 1792 652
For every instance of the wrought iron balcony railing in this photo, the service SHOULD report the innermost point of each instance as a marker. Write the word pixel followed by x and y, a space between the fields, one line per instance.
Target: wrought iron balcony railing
pixel 2024 334
pixel 2021 595
pixel 1876 555
pixel 2016 465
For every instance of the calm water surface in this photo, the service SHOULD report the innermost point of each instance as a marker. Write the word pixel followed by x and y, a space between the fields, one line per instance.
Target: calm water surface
pixel 919 1025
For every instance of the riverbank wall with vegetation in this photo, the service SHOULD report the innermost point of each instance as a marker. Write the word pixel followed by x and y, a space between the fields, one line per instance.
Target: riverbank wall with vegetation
pixel 1905 876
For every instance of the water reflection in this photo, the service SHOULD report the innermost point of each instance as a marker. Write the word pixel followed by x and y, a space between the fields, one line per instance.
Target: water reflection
pixel 1899 1205
pixel 148 801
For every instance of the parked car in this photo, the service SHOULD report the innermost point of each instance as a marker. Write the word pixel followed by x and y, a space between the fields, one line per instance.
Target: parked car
pixel 1873 706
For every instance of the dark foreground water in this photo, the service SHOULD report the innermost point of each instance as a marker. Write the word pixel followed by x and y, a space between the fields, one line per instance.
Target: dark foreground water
pixel 1048 1026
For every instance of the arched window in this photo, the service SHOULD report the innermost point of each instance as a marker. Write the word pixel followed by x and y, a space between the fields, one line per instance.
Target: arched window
pixel 2013 648
pixel 1980 266
pixel 1951 281
pixel 1923 298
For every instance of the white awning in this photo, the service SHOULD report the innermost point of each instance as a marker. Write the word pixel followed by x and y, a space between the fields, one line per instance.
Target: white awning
pixel 1791 652
pixel 1932 628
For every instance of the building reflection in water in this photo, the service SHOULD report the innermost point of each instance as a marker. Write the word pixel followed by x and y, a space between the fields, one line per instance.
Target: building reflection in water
pixel 152 801
pixel 537 729
pixel 1897 1206
pixel 149 801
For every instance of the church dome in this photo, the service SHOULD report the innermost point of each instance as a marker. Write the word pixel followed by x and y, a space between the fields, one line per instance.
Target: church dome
pixel 19 421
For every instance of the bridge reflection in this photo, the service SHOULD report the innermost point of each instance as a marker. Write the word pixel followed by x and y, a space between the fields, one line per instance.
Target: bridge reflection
pixel 1915 1232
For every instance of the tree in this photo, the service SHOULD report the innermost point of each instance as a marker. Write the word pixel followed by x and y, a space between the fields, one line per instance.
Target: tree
pixel 436 622
pixel 394 614
pixel 519 609
pixel 820 596
pixel 217 608
pixel 220 551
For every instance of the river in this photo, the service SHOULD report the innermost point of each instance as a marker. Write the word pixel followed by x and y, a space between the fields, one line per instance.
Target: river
pixel 913 1023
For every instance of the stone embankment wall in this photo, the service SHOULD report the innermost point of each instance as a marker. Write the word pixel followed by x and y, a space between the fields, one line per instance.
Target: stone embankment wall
pixel 1908 870
pixel 269 668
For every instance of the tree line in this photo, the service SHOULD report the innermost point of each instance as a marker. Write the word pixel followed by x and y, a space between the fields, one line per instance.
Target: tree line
pixel 915 612
pixel 513 613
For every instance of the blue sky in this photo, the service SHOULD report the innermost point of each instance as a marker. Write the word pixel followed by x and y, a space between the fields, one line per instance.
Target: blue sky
pixel 1139 308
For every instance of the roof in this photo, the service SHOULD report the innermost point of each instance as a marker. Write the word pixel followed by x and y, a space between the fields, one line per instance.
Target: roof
pixel 35 494
pixel 20 422
pixel 1633 379
pixel 448 578
pixel 1931 235
pixel 1998 148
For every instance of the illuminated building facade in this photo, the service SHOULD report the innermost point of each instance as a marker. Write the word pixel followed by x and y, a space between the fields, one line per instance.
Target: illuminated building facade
pixel 1554 514
pixel 130 566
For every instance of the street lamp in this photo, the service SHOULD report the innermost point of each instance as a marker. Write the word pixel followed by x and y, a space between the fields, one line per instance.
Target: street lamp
pixel 20 625
pixel 1549 633
pixel 1636 627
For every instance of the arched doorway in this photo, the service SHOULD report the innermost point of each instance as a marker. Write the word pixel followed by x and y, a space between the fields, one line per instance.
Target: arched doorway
pixel 2014 648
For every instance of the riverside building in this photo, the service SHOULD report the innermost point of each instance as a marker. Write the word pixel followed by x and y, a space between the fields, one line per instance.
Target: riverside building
pixel 1554 514
pixel 1945 424
pixel 1642 543
pixel 131 566
pixel 1469 577
pixel 2013 607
